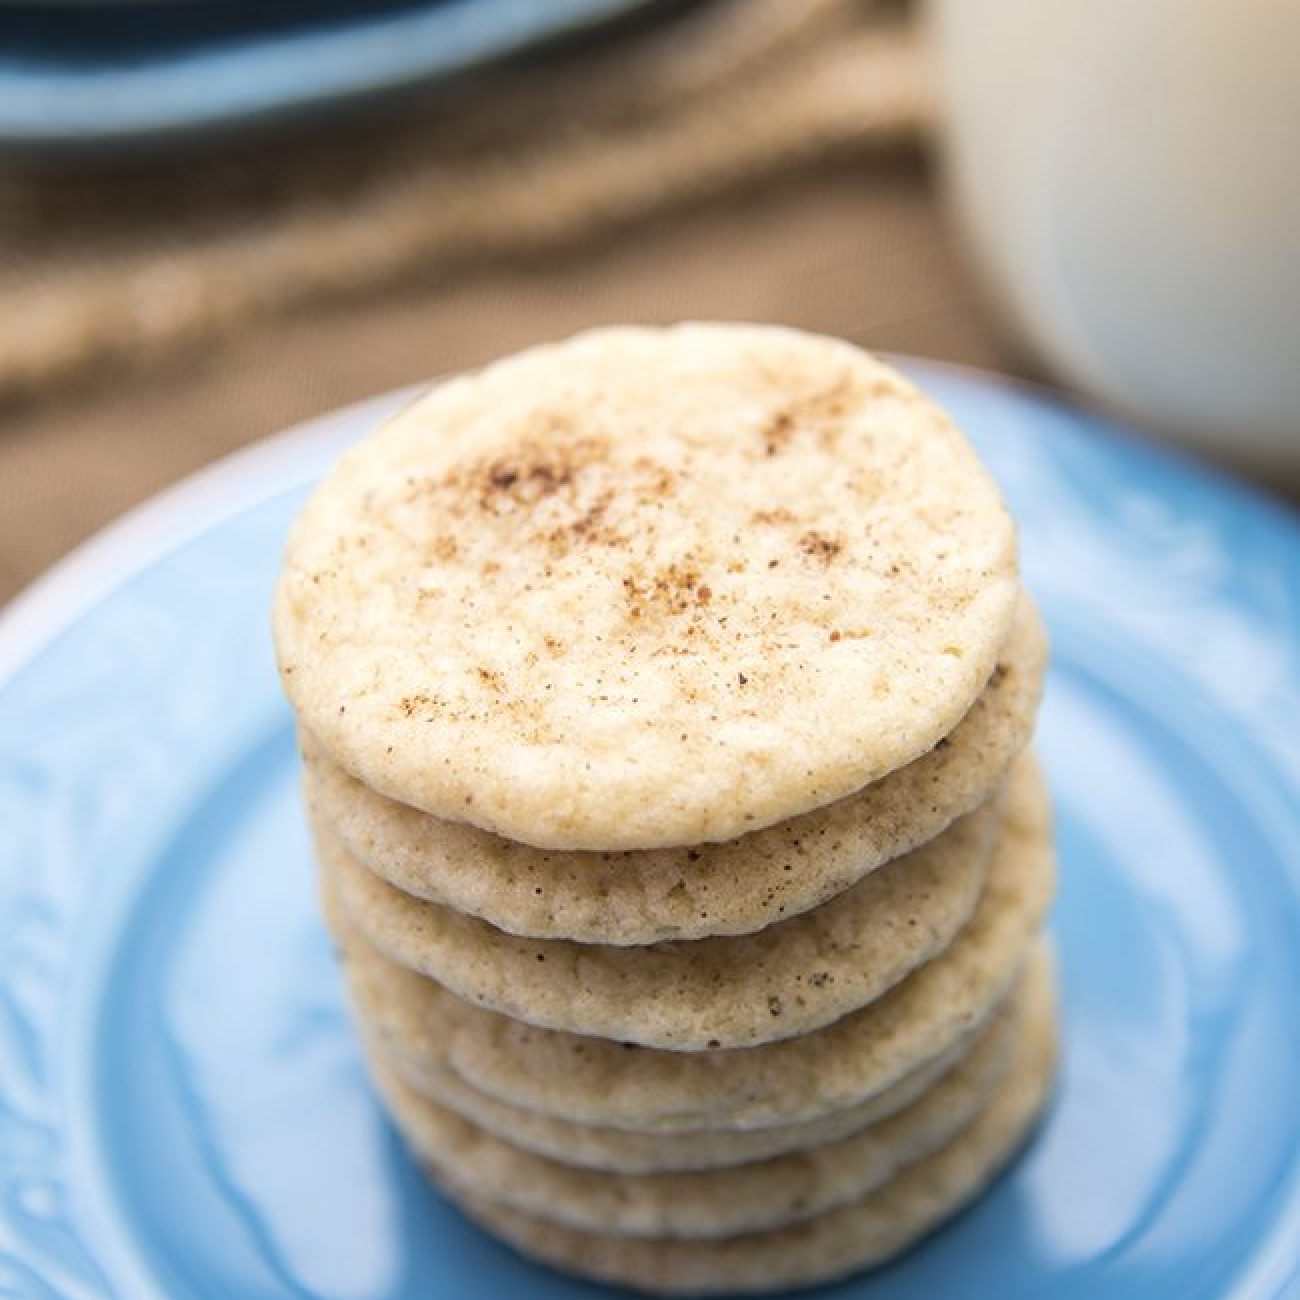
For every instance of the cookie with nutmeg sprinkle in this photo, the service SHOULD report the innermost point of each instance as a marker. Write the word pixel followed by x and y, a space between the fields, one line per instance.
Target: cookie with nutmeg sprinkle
pixel 647 587
pixel 693 891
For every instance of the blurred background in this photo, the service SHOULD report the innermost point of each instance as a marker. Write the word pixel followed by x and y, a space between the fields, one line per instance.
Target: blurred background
pixel 218 217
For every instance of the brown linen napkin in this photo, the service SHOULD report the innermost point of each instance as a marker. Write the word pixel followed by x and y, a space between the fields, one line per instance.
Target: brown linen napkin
pixel 128 261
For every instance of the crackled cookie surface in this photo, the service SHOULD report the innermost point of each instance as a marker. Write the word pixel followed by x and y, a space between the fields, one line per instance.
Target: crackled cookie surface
pixel 647 587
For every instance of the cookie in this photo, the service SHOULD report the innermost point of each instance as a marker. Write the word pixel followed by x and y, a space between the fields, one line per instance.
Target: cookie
pixel 647 587
pixel 619 1150
pixel 597 1081
pixel 861 1233
pixel 624 1152
pixel 733 887
pixel 715 1202
pixel 729 992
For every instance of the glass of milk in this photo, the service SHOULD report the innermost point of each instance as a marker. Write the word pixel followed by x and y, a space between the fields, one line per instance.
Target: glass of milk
pixel 1127 176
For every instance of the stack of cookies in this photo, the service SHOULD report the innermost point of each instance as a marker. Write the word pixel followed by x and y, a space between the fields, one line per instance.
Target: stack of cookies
pixel 664 697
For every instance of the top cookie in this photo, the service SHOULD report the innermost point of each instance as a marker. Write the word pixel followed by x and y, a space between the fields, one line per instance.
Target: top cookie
pixel 647 587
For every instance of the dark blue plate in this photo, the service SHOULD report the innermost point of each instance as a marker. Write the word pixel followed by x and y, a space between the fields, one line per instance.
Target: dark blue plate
pixel 182 1109
pixel 91 75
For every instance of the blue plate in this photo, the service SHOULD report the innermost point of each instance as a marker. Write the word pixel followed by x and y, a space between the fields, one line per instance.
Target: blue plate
pixel 183 1109
pixel 88 74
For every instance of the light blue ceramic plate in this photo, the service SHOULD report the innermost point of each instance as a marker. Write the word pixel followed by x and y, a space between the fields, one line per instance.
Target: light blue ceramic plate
pixel 89 75
pixel 184 1113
